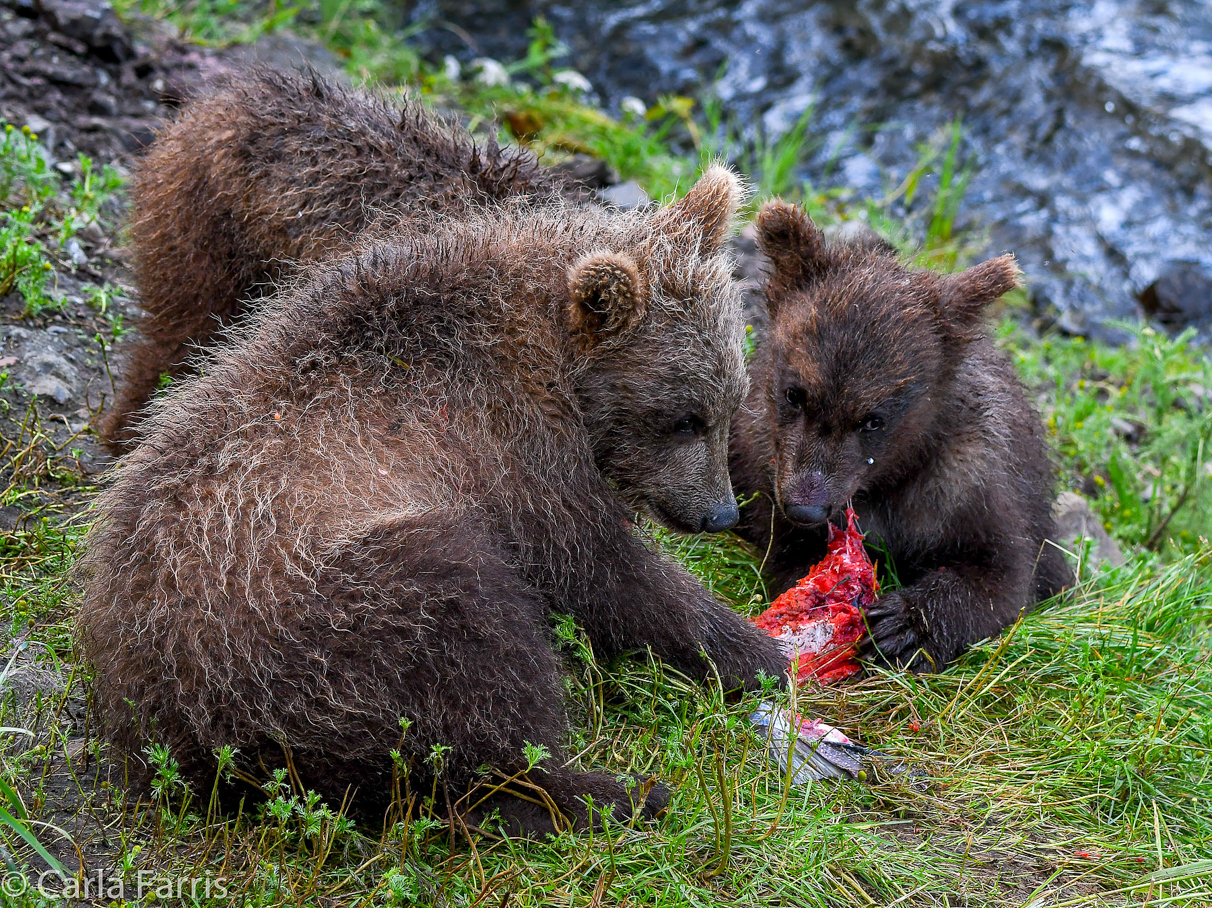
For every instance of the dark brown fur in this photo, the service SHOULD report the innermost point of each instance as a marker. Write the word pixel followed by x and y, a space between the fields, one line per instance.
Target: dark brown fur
pixel 866 360
pixel 368 503
pixel 275 169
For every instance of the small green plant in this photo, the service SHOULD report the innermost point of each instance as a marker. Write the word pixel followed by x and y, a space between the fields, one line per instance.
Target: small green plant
pixel 25 176
pixel 773 164
pixel 23 264
pixel 535 754
pixel 216 22
pixel 33 213
pixel 167 784
pixel 89 191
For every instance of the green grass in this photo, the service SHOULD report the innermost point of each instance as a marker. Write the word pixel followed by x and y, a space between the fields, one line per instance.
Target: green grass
pixel 41 216
pixel 1132 426
pixel 1068 762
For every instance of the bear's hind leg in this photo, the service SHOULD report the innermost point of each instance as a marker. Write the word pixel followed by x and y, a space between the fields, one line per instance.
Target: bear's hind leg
pixel 440 628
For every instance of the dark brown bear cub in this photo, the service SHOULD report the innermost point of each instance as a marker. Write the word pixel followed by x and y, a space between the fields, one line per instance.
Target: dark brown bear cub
pixel 271 170
pixel 366 507
pixel 881 386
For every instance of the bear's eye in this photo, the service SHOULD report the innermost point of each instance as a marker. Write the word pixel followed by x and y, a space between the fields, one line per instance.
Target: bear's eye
pixel 797 397
pixel 872 423
pixel 688 427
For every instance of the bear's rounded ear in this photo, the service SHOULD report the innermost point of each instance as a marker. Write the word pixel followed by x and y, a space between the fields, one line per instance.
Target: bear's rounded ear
pixel 607 297
pixel 706 212
pixel 794 245
pixel 966 295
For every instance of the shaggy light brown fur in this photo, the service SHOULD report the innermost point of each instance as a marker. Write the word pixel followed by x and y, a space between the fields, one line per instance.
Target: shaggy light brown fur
pixel 366 506
pixel 880 385
pixel 271 170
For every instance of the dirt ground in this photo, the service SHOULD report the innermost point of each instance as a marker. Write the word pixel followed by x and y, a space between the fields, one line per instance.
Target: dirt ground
pixel 85 83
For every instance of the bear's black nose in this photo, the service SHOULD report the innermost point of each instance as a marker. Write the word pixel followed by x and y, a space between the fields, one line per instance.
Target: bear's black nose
pixel 808 514
pixel 720 517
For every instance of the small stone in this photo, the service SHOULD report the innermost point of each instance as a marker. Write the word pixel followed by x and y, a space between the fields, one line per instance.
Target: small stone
pixel 1129 430
pixel 1075 521
pixel 1181 296
pixel 102 104
pixel 282 51
pixel 750 272
pixel 75 253
pixel 10 516
pixel 624 195
pixel 92 233
pixel 65 72
pixel 47 374
pixel 37 124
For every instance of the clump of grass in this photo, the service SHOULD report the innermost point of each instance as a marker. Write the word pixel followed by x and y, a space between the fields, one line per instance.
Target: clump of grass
pixel 216 22
pixel 36 221
pixel 553 118
pixel 23 264
pixel 1132 427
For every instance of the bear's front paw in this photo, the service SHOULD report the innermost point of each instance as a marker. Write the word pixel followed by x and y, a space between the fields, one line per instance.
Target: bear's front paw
pixel 894 636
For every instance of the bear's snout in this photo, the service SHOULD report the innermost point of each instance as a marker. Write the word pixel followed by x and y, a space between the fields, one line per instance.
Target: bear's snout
pixel 720 517
pixel 807 502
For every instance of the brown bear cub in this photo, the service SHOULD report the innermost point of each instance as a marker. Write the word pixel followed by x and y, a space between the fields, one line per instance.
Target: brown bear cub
pixel 275 169
pixel 881 386
pixel 366 506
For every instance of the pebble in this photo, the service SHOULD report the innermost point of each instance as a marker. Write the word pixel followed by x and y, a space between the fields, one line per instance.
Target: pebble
pixel 624 195
pixel 76 253
pixel 1075 521
pixel 1181 296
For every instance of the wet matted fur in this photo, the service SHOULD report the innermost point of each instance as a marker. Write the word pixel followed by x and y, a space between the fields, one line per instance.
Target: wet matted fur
pixel 365 507
pixel 880 385
pixel 270 170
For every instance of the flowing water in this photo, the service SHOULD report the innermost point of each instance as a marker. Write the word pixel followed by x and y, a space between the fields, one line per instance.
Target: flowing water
pixel 1089 124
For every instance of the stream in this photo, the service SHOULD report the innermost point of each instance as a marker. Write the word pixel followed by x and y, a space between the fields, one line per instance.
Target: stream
pixel 1088 125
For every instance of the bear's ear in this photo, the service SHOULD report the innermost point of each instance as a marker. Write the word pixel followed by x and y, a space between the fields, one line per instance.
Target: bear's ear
pixel 704 214
pixel 794 245
pixel 607 297
pixel 966 295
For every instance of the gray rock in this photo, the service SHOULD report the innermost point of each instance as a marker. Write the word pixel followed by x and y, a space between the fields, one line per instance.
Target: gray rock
pixel 857 232
pixel 10 516
pixel 48 374
pixel 1075 522
pixel 92 22
pixel 283 51
pixel 103 104
pixel 590 172
pixel 24 675
pixel 1181 296
pixel 75 253
pixel 750 272
pixel 624 195
pixel 1129 430
pixel 37 124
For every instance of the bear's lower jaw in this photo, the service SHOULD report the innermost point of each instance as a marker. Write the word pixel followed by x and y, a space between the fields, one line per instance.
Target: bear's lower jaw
pixel 667 518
